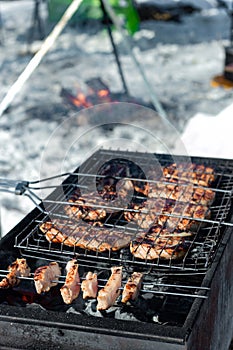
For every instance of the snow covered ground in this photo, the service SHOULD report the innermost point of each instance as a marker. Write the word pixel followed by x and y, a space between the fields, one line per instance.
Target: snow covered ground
pixel 40 135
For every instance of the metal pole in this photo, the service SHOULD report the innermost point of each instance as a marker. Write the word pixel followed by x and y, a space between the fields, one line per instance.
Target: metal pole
pixel 231 15
pixel 157 105
pixel 107 21
pixel 1 29
pixel 36 22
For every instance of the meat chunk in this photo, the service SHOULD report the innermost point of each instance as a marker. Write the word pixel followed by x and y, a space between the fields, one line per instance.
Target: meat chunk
pixel 189 172
pixel 112 190
pixel 46 277
pixel 186 216
pixel 145 214
pixel 182 193
pixel 132 287
pixel 171 214
pixel 108 295
pixel 70 290
pixel 18 268
pixel 86 207
pixel 85 236
pixel 160 243
pixel 89 286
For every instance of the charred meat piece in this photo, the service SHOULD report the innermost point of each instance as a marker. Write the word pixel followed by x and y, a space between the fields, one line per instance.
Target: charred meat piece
pixel 132 287
pixel 186 216
pixel 18 268
pixel 160 243
pixel 89 286
pixel 172 214
pixel 87 207
pixel 189 172
pixel 70 290
pixel 147 213
pixel 141 187
pixel 203 196
pixel 46 277
pixel 114 179
pixel 182 193
pixel 113 190
pixel 108 295
pixel 84 236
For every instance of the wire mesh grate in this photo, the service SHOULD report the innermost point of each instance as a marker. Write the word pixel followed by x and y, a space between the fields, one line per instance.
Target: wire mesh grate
pixel 190 252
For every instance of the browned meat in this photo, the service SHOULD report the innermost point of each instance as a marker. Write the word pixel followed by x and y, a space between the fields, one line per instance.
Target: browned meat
pixel 108 295
pixel 141 187
pixel 89 286
pixel 84 236
pixel 203 196
pixel 189 172
pixel 132 287
pixel 182 212
pixel 159 211
pixel 120 190
pixel 147 213
pixel 18 268
pixel 159 243
pixel 70 290
pixel 84 207
pixel 182 193
pixel 46 277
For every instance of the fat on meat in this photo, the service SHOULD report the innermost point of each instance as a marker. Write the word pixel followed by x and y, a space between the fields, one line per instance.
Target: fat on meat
pixel 132 287
pixel 108 295
pixel 89 286
pixel 19 268
pixel 46 277
pixel 70 290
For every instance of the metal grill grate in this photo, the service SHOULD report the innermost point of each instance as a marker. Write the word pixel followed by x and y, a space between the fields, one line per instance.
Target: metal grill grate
pixel 200 248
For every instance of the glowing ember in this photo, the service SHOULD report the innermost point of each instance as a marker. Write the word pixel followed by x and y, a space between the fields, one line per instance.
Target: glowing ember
pixel 103 93
pixel 81 101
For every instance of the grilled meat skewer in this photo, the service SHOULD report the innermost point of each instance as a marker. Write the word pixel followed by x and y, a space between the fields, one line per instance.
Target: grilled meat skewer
pixel 18 268
pixel 132 287
pixel 70 290
pixel 108 295
pixel 46 277
pixel 89 286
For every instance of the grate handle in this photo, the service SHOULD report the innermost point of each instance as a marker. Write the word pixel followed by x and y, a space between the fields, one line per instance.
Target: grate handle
pixel 13 186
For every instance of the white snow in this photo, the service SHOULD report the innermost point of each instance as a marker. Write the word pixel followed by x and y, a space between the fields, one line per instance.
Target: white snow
pixel 209 136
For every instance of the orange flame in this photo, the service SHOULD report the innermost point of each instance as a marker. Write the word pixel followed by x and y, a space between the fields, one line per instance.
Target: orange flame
pixel 80 100
pixel 103 93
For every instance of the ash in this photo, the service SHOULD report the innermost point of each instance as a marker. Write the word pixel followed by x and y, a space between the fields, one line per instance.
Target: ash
pixel 41 134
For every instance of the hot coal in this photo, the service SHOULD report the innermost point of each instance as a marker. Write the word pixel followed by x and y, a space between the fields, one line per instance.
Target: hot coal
pixel 97 92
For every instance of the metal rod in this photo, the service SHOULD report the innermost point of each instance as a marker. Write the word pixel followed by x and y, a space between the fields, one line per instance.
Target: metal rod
pixel 1 30
pixel 36 21
pixel 157 105
pixel 61 280
pixel 106 20
pixel 144 211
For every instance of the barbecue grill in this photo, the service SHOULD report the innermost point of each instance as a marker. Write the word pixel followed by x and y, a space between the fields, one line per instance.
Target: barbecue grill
pixel 184 303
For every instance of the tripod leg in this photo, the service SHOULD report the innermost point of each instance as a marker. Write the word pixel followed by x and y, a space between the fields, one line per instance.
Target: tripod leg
pixel 107 21
pixel 36 22
pixel 1 29
pixel 39 21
